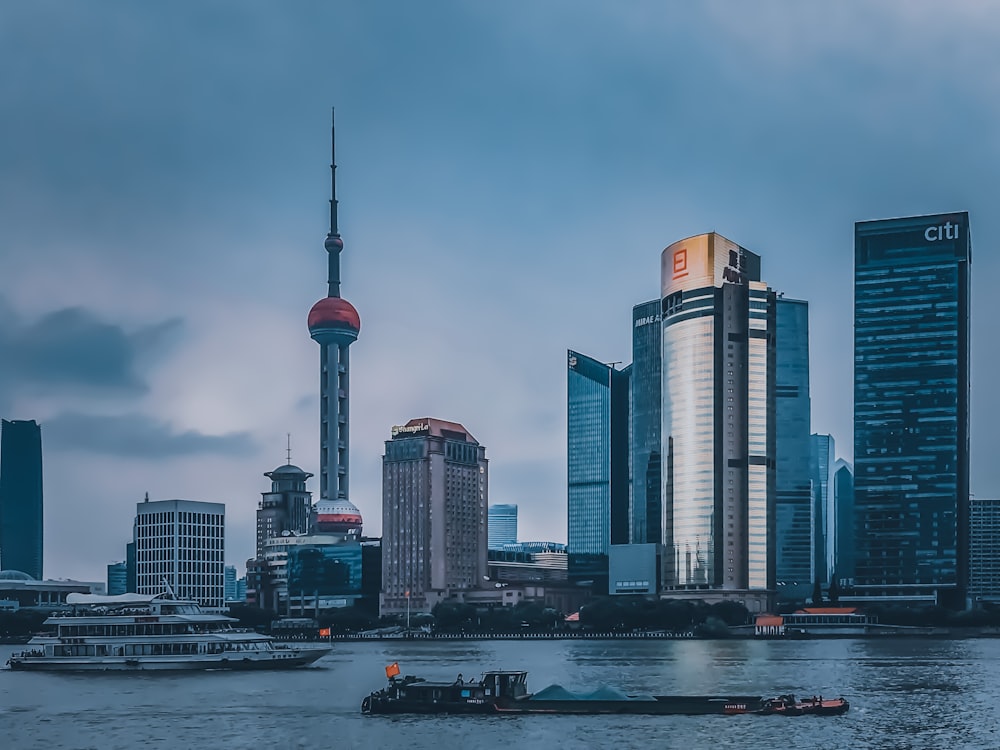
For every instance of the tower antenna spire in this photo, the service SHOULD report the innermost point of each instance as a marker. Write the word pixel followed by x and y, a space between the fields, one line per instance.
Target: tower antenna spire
pixel 334 231
pixel 289 448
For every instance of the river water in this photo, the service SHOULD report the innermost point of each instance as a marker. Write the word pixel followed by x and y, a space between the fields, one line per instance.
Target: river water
pixel 904 693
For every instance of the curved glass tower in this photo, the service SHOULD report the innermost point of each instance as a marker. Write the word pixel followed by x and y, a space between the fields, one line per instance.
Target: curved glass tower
pixel 718 434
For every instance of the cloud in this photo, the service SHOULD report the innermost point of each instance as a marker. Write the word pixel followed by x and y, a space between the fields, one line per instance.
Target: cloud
pixel 136 436
pixel 72 350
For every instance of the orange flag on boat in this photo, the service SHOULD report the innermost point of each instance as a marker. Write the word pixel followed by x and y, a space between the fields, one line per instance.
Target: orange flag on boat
pixel 392 670
pixel 324 632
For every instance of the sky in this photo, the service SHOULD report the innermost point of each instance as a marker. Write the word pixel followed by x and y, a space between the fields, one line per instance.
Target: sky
pixel 508 174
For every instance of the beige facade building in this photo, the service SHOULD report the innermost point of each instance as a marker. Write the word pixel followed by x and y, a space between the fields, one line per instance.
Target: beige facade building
pixel 435 483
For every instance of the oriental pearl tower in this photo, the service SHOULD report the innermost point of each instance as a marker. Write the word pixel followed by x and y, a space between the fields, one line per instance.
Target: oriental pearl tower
pixel 334 325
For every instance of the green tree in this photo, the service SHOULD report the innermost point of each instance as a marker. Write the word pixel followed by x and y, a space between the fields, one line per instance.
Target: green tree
pixel 601 614
pixel 256 618
pixel 731 613
pixel 677 616
pixel 817 597
pixel 452 616
pixel 713 627
pixel 834 591
pixel 21 623
pixel 347 620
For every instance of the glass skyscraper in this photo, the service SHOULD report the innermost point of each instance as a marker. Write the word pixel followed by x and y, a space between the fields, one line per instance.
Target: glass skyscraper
pixel 842 564
pixel 793 489
pixel 501 525
pixel 21 497
pixel 718 434
pixel 911 406
pixel 821 460
pixel 597 458
pixel 984 553
pixel 645 396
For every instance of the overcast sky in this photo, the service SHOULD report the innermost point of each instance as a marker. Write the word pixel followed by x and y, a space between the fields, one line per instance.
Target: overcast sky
pixel 508 175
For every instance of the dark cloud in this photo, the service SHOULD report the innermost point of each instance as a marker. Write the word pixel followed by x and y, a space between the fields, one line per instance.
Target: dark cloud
pixel 72 350
pixel 136 436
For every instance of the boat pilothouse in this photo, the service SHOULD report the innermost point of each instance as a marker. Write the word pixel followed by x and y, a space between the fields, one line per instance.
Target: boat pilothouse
pixel 139 632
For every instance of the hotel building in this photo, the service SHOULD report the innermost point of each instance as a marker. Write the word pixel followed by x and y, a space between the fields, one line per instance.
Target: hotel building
pixel 434 515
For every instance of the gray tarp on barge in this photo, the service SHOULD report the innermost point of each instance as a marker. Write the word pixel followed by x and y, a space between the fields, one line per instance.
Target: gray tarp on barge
pixel 602 693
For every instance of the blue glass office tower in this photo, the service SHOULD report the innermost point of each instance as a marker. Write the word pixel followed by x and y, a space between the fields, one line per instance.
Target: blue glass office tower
pixel 821 460
pixel 21 497
pixel 501 525
pixel 793 489
pixel 597 471
pixel 842 565
pixel 645 396
pixel 911 406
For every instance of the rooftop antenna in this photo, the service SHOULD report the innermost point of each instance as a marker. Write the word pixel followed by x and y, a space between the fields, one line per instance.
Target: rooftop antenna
pixel 146 500
pixel 289 448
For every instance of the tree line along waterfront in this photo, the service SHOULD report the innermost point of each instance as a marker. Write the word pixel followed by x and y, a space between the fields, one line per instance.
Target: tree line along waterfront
pixel 625 616
pixel 618 616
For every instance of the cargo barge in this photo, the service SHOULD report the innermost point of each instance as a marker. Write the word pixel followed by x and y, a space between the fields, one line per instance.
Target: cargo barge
pixel 506 692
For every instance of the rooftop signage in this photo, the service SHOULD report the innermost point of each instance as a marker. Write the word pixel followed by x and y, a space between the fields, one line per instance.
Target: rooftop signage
pixel 407 429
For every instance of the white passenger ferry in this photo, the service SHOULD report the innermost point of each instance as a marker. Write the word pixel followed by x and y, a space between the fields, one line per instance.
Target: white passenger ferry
pixel 133 632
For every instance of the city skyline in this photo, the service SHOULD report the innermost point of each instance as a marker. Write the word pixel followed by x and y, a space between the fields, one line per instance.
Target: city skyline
pixel 163 239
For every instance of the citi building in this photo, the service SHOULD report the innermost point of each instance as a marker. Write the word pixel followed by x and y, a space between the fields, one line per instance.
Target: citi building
pixel 718 430
pixel 911 407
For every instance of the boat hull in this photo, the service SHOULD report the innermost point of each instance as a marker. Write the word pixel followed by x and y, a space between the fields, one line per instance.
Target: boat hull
pixel 277 659
pixel 659 706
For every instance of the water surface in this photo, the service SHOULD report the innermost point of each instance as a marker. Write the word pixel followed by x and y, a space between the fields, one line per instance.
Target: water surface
pixel 905 693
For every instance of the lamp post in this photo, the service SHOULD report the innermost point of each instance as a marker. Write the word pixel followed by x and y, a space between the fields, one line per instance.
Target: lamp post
pixel 407 594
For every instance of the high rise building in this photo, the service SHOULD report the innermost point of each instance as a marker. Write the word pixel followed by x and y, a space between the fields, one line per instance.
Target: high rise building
pixel 334 324
pixel 435 487
pixel 718 434
pixel 299 574
pixel 502 527
pixel 131 576
pixel 984 552
pixel 842 564
pixel 229 583
pixel 645 402
pixel 597 455
pixel 21 497
pixel 117 579
pixel 181 543
pixel 821 460
pixel 793 489
pixel 286 508
pixel 911 407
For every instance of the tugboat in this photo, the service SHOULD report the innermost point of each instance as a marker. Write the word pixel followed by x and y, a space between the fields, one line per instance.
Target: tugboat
pixel 506 692
pixel 787 705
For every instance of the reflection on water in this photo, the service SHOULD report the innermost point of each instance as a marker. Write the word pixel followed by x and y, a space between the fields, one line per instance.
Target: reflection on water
pixel 904 694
